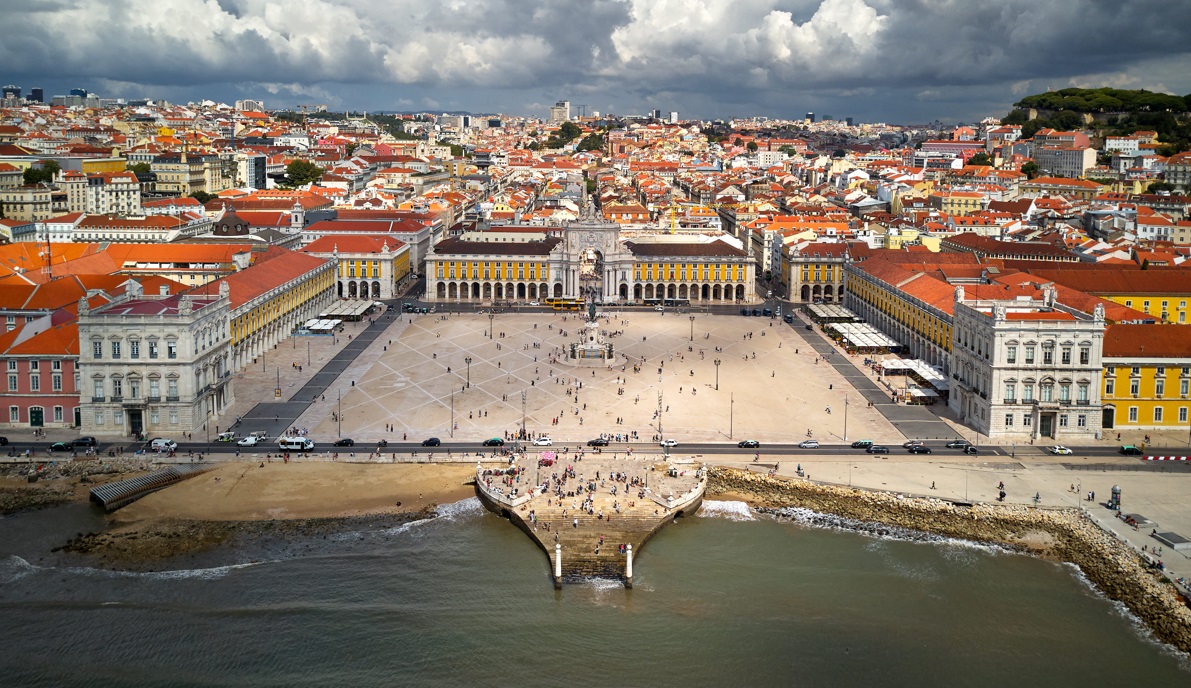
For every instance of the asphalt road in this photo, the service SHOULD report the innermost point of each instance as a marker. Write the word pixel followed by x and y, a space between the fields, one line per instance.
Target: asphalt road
pixel 727 450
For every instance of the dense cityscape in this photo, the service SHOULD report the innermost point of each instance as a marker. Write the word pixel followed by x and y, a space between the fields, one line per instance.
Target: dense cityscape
pixel 282 374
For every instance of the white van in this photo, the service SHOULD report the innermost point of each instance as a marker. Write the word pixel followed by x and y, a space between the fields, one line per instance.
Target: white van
pixel 295 444
pixel 160 444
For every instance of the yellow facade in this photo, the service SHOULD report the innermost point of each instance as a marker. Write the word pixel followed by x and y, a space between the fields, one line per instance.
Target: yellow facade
pixel 686 272
pixel 247 323
pixel 1148 395
pixel 927 324
pixel 514 269
pixel 99 165
pixel 1174 306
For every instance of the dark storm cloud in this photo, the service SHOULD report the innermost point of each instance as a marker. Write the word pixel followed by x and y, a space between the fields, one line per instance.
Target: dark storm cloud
pixel 907 58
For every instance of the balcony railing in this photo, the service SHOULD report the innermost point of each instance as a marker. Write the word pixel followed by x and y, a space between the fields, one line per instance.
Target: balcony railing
pixel 1084 402
pixel 117 398
pixel 97 400
pixel 169 398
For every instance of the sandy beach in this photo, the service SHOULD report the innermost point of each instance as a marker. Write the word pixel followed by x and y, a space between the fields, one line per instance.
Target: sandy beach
pixel 250 492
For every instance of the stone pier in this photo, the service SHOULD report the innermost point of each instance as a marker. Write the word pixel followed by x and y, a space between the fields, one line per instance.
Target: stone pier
pixel 593 512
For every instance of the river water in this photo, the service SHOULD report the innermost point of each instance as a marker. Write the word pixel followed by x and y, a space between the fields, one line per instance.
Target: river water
pixel 725 598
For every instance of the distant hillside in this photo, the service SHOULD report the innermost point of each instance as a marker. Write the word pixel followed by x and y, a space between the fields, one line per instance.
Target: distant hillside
pixel 1108 111
pixel 1096 100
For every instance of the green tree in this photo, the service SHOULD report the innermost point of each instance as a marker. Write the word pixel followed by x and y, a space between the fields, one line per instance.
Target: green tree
pixel 46 173
pixel 1030 169
pixel 456 150
pixel 569 131
pixel 1159 186
pixel 140 168
pixel 752 146
pixel 202 196
pixel 980 159
pixel 351 148
pixel 302 172
pixel 591 142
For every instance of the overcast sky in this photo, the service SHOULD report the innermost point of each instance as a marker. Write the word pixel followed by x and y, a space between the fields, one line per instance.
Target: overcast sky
pixel 899 61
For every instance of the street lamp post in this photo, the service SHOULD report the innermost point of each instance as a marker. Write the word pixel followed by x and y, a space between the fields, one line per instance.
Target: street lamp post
pixel 467 360
pixel 692 328
pixel 307 352
pixel 451 430
pixel 731 412
pixel 491 315
pixel 717 363
pixel 845 416
pixel 339 416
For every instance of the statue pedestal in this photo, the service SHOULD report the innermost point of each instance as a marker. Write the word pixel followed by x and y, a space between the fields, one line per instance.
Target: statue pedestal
pixel 592 350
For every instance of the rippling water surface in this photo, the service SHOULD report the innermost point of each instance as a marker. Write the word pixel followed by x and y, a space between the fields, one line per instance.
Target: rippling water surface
pixel 727 598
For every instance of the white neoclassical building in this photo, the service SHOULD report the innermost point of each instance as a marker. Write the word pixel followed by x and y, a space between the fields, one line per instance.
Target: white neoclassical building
pixel 1027 368
pixel 157 364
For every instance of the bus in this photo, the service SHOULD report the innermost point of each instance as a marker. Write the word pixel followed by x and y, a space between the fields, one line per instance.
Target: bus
pixel 667 303
pixel 564 304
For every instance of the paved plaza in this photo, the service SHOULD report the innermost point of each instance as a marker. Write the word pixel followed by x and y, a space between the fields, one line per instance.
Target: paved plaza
pixel 772 386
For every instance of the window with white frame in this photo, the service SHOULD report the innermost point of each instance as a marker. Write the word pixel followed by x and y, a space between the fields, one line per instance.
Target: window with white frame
pixel 154 417
pixel 56 382
pixel 173 417
pixel 12 383
pixel 58 414
pixel 1182 414
pixel 34 383
pixel 97 349
pixel 115 349
pixel 1081 421
pixel 1157 414
pixel 14 414
pixel 1132 414
pixel 99 417
pixel 1062 420
pixel 1008 420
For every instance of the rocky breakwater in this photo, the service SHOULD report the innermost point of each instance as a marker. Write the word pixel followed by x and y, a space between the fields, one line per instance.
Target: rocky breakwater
pixel 1063 534
pixel 40 484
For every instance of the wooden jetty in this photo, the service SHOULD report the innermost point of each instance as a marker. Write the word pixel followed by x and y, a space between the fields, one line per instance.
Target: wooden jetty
pixel 590 514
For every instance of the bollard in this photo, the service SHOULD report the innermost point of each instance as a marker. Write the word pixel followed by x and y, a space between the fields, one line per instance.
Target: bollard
pixel 628 566
pixel 557 567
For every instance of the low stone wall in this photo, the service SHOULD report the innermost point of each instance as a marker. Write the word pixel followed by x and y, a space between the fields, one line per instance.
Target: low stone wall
pixel 1065 534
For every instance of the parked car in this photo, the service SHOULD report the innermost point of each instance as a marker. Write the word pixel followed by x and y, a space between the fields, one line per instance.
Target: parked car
pixel 597 442
pixel 767 312
pixel 669 443
pixel 919 449
pixel 543 442
pixel 958 444
pixel 912 443
pixel 789 319
pixel 3 441
pixel 431 442
pixel 345 442
pixel 1130 450
pixel 748 444
pixel 877 449
pixel 862 444
pixel 1060 449
pixel 810 328
pixel 659 308
pixel 744 311
pixel 808 444
pixel 534 303
pixel 226 437
pixel 757 312
pixel 494 442
pixel 85 441
pixel 250 441
pixel 971 450
pixel 160 444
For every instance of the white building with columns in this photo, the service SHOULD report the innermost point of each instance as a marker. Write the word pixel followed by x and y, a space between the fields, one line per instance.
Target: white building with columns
pixel 1027 368
pixel 157 364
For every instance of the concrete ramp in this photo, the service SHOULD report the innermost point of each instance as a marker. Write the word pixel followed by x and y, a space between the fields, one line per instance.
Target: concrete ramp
pixel 115 495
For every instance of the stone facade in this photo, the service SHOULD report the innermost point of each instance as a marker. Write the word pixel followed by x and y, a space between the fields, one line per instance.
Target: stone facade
pixel 154 364
pixel 1027 369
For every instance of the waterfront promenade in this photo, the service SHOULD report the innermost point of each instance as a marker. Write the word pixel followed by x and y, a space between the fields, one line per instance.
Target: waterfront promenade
pixel 591 513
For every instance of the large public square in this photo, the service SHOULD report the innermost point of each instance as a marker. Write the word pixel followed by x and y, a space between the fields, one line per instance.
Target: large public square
pixel 770 384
